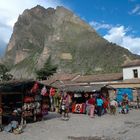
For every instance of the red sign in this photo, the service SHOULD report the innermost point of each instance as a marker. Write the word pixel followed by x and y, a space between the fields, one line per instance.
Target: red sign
pixel 78 108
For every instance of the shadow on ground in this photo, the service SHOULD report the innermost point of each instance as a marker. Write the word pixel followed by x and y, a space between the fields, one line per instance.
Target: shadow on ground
pixel 52 115
pixel 88 138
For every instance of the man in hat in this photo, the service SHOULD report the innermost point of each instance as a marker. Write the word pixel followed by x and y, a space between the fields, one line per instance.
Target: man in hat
pixel 14 117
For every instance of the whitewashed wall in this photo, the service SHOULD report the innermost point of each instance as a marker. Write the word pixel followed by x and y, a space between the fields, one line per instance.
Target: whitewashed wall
pixel 128 72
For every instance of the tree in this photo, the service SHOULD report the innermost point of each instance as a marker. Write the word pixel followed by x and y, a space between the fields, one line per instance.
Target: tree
pixel 47 70
pixel 4 73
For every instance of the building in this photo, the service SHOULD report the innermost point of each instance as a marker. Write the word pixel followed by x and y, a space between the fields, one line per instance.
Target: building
pixel 87 83
pixel 127 82
pixel 131 70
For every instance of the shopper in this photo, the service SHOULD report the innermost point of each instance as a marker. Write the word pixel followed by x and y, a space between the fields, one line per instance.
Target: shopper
pixel 125 104
pixel 91 103
pixel 113 106
pixel 99 103
pixel 65 106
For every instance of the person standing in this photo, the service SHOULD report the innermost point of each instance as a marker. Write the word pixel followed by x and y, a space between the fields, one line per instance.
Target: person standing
pixel 99 103
pixel 65 106
pixel 113 106
pixel 91 103
pixel 125 104
pixel 138 100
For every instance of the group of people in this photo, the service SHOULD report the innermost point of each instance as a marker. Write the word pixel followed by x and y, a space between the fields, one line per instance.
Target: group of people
pixel 101 105
pixel 96 105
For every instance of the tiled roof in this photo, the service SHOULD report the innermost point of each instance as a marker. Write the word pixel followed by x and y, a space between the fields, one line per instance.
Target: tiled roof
pixel 64 77
pixel 100 77
pixel 88 88
pixel 59 77
pixel 132 63
pixel 75 79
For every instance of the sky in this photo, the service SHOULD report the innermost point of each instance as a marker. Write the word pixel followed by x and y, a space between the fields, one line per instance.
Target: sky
pixel 118 21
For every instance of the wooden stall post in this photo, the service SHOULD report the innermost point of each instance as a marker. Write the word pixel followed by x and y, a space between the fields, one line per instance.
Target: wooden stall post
pixel 1 110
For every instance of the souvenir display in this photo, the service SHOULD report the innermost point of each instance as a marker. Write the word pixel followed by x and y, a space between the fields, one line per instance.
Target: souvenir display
pixel 28 99
pixel 30 104
pixel 52 91
pixel 44 91
pixel 37 98
pixel 35 88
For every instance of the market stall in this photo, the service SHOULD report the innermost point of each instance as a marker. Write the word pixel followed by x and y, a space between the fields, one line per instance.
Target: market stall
pixel 27 98
pixel 79 103
pixel 80 96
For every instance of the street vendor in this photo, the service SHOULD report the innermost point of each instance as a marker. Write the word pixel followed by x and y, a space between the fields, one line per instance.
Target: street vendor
pixel 13 122
pixel 14 117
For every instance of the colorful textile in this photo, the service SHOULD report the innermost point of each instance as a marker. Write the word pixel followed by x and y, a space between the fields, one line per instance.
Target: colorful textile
pixel 34 88
pixel 44 91
pixel 52 91
pixel 91 101
pixel 124 91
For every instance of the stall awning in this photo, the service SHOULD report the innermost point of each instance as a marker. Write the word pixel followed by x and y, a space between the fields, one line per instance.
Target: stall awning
pixel 16 86
pixel 87 88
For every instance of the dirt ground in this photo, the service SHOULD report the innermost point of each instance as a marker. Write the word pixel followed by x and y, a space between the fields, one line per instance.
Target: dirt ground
pixel 82 127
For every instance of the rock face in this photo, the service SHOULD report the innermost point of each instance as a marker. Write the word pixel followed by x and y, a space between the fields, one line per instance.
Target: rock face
pixel 73 45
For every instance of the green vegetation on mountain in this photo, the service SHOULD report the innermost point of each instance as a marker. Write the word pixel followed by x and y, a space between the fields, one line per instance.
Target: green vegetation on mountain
pixel 47 70
pixel 4 73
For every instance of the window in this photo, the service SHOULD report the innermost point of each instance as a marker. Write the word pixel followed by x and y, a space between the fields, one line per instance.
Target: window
pixel 135 73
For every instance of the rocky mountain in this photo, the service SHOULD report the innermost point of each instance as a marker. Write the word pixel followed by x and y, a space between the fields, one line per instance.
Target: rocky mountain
pixel 72 44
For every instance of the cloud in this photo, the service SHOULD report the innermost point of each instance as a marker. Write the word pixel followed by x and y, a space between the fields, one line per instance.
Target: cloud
pixel 119 36
pixel 135 10
pixel 11 9
pixel 98 26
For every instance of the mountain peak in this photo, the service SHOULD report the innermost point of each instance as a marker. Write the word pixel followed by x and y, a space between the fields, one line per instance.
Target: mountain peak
pixel 71 42
pixel 62 8
pixel 38 7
